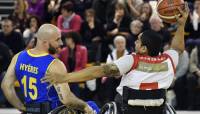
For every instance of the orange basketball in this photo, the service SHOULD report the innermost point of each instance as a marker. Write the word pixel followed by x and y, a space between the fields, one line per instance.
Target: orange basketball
pixel 167 9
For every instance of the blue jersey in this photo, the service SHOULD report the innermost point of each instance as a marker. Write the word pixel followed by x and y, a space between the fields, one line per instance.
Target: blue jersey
pixel 29 70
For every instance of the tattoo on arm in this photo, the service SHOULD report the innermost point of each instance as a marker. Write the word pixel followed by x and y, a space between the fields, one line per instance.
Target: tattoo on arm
pixel 111 70
pixel 69 99
pixel 58 89
pixel 61 97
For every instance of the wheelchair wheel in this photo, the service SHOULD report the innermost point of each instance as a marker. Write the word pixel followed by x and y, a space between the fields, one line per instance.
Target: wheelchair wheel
pixel 65 110
pixel 109 108
pixel 170 109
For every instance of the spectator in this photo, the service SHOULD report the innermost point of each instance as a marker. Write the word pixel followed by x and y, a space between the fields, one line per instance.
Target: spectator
pixel 33 24
pixel 145 14
pixel 112 82
pixel 74 56
pixel 69 21
pixel 157 25
pixel 81 6
pixel 11 38
pixel 180 81
pixel 51 10
pixel 121 21
pixel 194 27
pixel 36 7
pixel 193 81
pixel 136 29
pixel 5 58
pixel 93 33
pixel 134 7
pixel 104 9
pixel 19 15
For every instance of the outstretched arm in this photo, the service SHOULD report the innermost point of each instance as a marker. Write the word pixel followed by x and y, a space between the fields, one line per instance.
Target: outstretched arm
pixel 178 42
pixel 93 73
pixel 8 86
pixel 119 67
pixel 83 75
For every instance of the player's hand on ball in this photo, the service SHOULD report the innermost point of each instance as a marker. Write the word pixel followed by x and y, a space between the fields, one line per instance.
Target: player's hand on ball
pixel 182 20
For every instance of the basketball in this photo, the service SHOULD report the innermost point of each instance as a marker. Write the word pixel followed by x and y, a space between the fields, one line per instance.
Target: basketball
pixel 167 9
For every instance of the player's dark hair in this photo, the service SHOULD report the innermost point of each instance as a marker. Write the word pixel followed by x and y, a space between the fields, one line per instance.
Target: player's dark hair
pixel 69 6
pixel 153 42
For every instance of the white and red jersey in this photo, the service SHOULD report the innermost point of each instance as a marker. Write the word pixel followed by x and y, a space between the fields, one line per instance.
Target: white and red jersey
pixel 147 73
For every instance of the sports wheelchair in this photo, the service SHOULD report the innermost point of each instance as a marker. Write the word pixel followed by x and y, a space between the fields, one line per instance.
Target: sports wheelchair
pixel 111 108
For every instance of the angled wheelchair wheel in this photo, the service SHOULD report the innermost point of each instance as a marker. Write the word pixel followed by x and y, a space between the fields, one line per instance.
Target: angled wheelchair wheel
pixel 65 110
pixel 170 109
pixel 109 108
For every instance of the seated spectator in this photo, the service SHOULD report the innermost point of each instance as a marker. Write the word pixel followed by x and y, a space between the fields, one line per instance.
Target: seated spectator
pixel 120 22
pixel 5 59
pixel 33 24
pixel 145 14
pixel 157 25
pixel 10 37
pixel 92 32
pixel 136 29
pixel 104 9
pixel 74 56
pixel 69 21
pixel 51 10
pixel 134 7
pixel 19 15
pixel 180 81
pixel 112 82
pixel 195 21
pixel 194 27
pixel 36 7
pixel 193 80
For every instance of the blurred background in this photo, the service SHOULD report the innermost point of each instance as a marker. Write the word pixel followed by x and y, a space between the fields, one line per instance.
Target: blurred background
pixel 95 32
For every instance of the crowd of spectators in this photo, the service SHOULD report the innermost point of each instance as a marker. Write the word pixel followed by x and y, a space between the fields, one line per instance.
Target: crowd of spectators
pixel 98 31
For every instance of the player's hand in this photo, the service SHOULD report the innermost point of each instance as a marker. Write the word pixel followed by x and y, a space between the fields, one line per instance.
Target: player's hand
pixel 53 78
pixel 88 110
pixel 184 15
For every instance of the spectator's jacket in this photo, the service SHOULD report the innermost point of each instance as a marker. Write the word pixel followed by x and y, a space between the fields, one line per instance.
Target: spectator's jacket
pixel 80 54
pixel 74 24
pixel 194 61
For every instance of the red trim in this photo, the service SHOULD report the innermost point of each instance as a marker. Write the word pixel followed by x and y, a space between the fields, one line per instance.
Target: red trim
pixel 135 62
pixel 149 59
pixel 174 68
pixel 151 86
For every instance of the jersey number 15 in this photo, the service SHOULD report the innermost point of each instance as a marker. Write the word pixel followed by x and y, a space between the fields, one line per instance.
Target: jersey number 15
pixel 31 81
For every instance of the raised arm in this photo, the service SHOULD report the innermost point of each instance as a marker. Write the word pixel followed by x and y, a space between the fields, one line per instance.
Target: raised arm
pixel 63 90
pixel 8 88
pixel 178 42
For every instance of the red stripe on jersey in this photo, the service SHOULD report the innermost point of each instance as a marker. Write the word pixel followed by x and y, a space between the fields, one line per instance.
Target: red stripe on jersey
pixel 149 59
pixel 151 86
pixel 174 68
pixel 135 62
